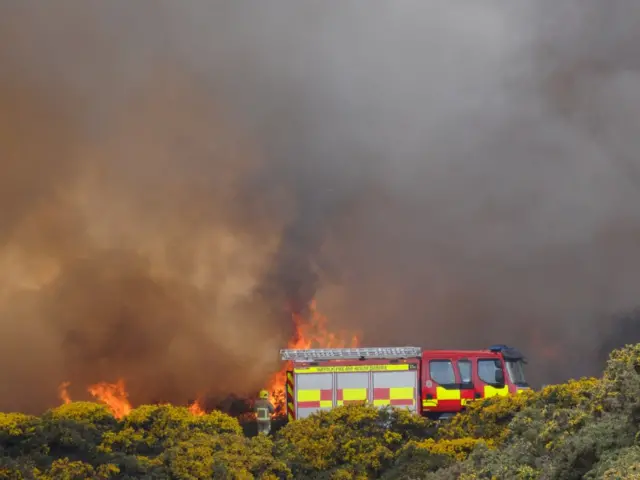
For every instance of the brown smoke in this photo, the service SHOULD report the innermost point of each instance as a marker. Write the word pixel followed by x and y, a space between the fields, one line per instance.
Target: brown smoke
pixel 118 261
pixel 173 175
pixel 128 249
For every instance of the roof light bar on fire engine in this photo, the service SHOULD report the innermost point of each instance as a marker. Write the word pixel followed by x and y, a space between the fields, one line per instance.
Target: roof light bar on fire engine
pixel 316 354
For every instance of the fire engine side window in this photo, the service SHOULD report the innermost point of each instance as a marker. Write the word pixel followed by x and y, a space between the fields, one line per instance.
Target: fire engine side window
pixel 441 371
pixel 488 371
pixel 464 366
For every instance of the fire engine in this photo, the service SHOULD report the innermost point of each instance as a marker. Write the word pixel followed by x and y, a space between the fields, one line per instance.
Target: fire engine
pixel 434 383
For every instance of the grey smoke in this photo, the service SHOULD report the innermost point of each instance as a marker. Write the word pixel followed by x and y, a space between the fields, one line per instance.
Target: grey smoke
pixel 452 174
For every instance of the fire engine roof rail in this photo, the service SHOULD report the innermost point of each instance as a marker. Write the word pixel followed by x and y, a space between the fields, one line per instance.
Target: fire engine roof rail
pixel 316 354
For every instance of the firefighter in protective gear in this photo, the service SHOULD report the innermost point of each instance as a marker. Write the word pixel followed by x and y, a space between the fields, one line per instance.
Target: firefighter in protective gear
pixel 264 409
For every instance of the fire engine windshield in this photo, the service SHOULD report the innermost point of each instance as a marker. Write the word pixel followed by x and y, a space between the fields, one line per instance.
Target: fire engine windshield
pixel 516 372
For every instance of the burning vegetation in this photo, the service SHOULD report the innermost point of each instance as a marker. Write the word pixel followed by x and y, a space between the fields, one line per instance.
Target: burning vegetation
pixel 309 333
pixel 171 177
pixel 311 330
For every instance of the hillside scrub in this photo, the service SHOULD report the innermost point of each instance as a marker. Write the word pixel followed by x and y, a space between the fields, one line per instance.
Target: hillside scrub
pixel 587 428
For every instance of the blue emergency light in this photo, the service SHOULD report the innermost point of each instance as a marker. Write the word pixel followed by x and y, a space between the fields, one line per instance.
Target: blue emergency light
pixel 498 348
pixel 508 352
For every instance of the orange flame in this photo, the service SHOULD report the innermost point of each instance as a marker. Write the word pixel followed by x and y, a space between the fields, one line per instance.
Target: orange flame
pixel 63 393
pixel 196 408
pixel 311 333
pixel 114 396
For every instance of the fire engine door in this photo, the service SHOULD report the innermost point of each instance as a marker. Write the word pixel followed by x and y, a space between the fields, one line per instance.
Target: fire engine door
pixel 398 389
pixel 442 387
pixel 352 388
pixel 314 392
pixel 490 378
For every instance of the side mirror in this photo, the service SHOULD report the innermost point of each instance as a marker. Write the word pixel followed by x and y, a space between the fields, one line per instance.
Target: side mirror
pixel 500 376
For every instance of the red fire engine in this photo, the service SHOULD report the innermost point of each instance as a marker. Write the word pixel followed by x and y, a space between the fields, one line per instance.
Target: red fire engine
pixel 434 383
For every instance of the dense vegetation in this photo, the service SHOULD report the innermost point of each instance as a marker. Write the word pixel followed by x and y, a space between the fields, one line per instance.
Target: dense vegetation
pixel 582 429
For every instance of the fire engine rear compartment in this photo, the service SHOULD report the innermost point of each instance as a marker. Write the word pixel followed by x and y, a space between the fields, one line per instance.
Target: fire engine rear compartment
pixel 323 391
pixel 321 385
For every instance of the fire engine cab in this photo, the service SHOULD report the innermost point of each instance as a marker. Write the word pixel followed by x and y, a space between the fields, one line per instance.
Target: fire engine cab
pixel 434 383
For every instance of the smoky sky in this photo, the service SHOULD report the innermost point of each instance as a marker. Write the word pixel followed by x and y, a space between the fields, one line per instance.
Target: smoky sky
pixel 176 176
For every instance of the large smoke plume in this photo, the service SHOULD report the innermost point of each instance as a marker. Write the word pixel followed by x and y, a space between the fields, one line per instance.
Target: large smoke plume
pixel 175 175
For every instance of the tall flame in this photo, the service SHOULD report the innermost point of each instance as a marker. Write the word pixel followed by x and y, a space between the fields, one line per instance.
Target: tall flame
pixel 114 395
pixel 63 392
pixel 196 408
pixel 309 333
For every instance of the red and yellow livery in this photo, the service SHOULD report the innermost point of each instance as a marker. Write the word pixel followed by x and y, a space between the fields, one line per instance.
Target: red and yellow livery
pixel 435 383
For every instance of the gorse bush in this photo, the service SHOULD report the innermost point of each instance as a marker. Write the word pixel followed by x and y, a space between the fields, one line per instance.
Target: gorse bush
pixel 352 442
pixel 587 428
